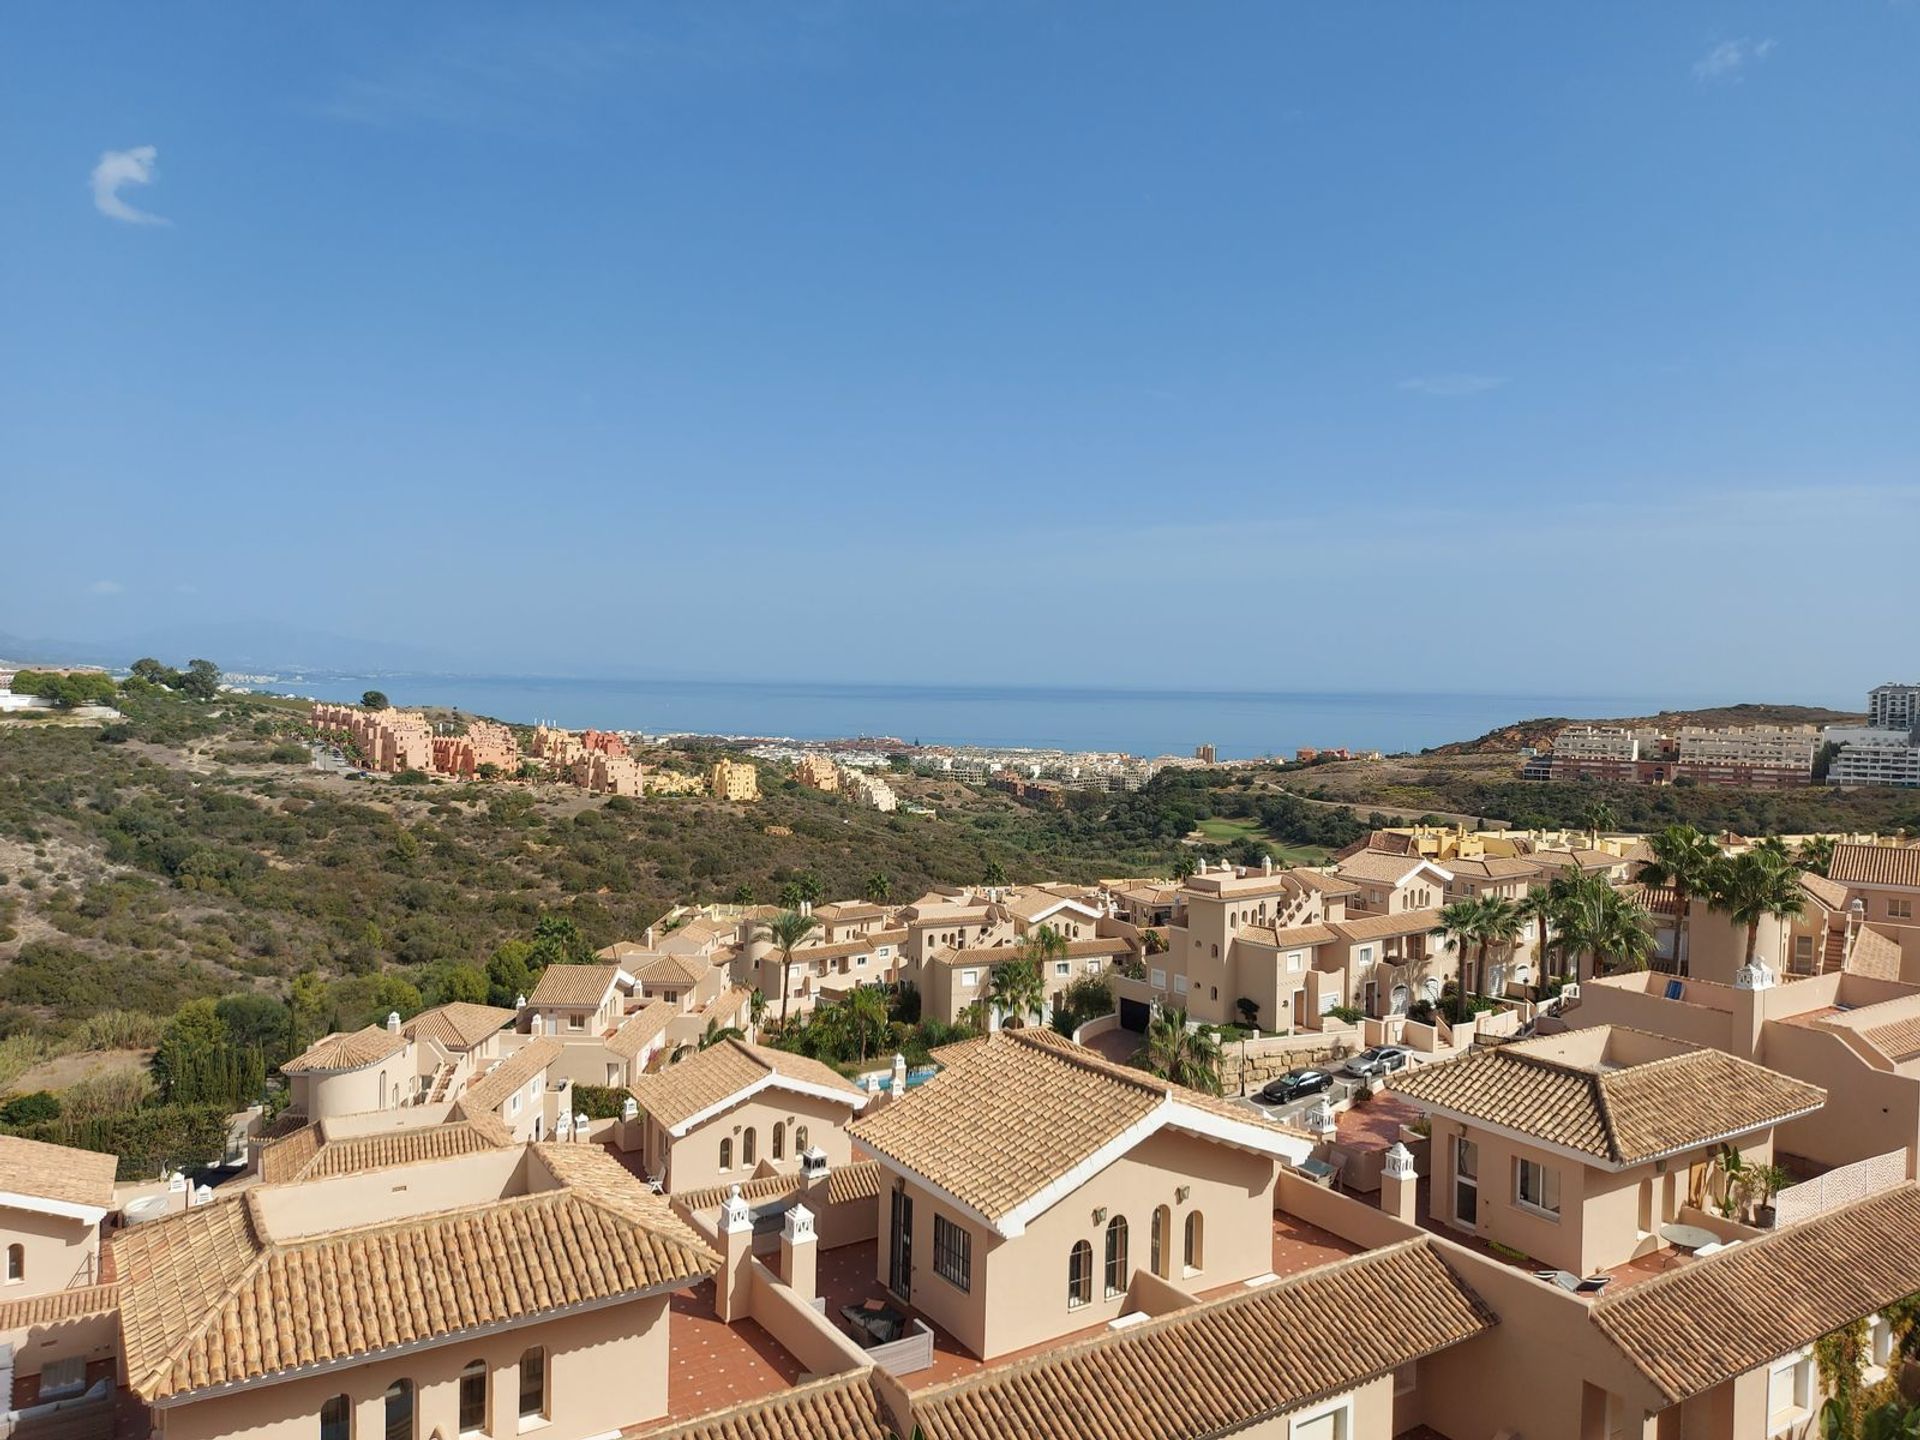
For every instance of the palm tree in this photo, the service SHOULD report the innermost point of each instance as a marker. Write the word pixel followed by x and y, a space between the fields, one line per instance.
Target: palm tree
pixel 879 887
pixel 1537 907
pixel 1500 924
pixel 1183 1055
pixel 1599 816
pixel 1183 864
pixel 1625 937
pixel 1018 991
pixel 1045 943
pixel 1460 927
pixel 787 929
pixel 866 1015
pixel 1582 914
pixel 1681 858
pixel 1815 854
pixel 994 874
pixel 1750 886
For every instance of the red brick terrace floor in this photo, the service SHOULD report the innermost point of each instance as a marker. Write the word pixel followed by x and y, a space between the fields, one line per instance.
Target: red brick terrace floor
pixel 711 1365
pixel 1376 1124
pixel 1297 1246
pixel 1657 1262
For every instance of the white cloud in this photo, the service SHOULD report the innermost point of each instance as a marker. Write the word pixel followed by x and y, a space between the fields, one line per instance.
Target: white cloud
pixel 1725 62
pixel 1453 385
pixel 105 587
pixel 124 167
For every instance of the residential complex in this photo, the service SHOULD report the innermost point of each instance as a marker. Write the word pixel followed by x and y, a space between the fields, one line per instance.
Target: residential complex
pixel 1884 751
pixel 1759 756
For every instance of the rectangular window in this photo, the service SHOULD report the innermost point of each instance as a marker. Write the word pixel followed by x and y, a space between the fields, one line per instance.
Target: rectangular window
pixel 1334 1424
pixel 336 1416
pixel 1899 909
pixel 576 1022
pixel 473 1398
pixel 1537 1186
pixel 952 1253
pixel 1063 968
pixel 1296 960
pixel 1159 979
pixel 1179 984
pixel 533 1383
pixel 969 977
pixel 1789 1392
pixel 1093 967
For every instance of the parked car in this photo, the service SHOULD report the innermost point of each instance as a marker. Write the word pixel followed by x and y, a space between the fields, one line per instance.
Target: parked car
pixel 1296 1085
pixel 1380 1060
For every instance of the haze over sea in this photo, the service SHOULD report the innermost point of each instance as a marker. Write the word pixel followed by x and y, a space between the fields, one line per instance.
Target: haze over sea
pixel 1240 725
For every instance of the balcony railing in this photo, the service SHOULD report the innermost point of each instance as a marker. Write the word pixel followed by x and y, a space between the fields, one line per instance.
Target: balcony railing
pixel 1839 1187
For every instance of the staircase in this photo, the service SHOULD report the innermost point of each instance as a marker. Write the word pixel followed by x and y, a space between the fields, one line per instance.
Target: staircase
pixel 1835 957
pixel 442 1082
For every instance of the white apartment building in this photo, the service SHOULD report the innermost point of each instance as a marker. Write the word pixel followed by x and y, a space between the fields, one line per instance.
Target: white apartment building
pixel 1873 756
pixel 1893 707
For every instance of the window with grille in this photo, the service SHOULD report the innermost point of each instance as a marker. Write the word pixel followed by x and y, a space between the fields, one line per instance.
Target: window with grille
pixel 952 1253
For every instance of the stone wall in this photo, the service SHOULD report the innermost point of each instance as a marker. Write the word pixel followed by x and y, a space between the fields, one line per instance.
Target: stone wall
pixel 1271 1058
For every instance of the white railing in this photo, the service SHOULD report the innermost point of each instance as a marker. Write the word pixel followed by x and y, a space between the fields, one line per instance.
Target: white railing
pixel 1839 1187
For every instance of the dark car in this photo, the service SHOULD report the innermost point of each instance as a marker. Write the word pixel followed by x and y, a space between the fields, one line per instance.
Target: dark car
pixel 1296 1085
pixel 1380 1060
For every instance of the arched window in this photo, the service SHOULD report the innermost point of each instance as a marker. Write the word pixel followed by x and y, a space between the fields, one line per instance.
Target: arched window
pixel 336 1419
pixel 473 1397
pixel 749 1146
pixel 16 1263
pixel 799 1139
pixel 1079 1275
pixel 1196 1240
pixel 1116 1256
pixel 726 1153
pixel 533 1383
pixel 1157 1238
pixel 779 1140
pixel 400 1410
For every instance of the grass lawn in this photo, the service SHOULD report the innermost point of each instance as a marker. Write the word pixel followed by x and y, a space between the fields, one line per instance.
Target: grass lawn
pixel 1227 832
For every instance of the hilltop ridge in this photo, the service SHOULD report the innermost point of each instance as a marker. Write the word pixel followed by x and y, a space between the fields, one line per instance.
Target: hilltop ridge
pixel 1540 731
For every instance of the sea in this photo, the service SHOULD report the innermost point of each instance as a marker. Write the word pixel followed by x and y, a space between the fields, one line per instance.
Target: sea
pixel 1144 722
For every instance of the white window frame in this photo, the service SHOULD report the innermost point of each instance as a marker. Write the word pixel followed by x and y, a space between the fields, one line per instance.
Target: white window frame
pixel 1296 961
pixel 1343 1407
pixel 1786 1419
pixel 1179 984
pixel 1062 968
pixel 969 977
pixel 1158 979
pixel 1548 1205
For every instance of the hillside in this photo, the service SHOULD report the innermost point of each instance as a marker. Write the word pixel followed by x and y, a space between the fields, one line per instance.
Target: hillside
pixel 1537 733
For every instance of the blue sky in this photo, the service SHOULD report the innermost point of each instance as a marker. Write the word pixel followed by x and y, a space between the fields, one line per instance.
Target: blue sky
pixel 1565 349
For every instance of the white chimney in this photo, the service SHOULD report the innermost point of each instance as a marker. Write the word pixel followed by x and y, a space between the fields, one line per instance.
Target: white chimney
pixel 629 1109
pixel 649 937
pixel 899 1075
pixel 520 1002
pixel 813 1163
pixel 393 1022
pixel 1266 864
pixel 580 1125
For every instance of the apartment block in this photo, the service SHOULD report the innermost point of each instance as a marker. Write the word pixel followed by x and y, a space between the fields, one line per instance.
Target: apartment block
pixel 734 780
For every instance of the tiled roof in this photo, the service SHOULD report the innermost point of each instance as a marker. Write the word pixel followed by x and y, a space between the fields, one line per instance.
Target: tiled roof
pixel 976 954
pixel 848 910
pixel 1098 945
pixel 409 1146
pixel 1029 905
pixel 1874 954
pixel 56 1172
pixel 1385 869
pixel 845 1185
pixel 1296 935
pixel 717 1074
pixel 1585 859
pixel 1694 1327
pixel 459 1025
pixel 58 1306
pixel 1830 893
pixel 209 1297
pixel 674 970
pixel 573 984
pixel 1898 1039
pixel 1382 927
pixel 641 1029
pixel 1216 1368
pixel 1493 867
pixel 1325 883
pixel 838 950
pixel 1875 865
pixel 488 1092
pixel 347 1050
pixel 840 1407
pixel 1016 1112
pixel 1620 1116
pixel 286 1157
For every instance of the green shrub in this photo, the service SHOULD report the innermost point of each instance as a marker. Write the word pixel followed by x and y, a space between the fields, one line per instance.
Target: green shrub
pixel 30 1109
pixel 598 1102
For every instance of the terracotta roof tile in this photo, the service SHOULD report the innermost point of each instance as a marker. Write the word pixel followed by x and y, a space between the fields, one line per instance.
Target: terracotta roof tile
pixel 1874 954
pixel 573 984
pixel 1899 1039
pixel 1016 1111
pixel 1326 884
pixel 715 1075
pixel 846 1184
pixel 1875 865
pixel 674 970
pixel 1383 869
pixel 1382 927
pixel 459 1025
pixel 1830 893
pixel 208 1297
pixel 59 1306
pixel 486 1093
pixel 1695 1327
pixel 1216 1368
pixel 840 1407
pixel 1563 1090
pixel 641 1029
pixel 56 1172
pixel 385 1149
pixel 1295 935
pixel 347 1050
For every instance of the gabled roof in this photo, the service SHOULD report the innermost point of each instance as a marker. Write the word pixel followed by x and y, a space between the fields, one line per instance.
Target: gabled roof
pixel 1614 1096
pixel 1034 906
pixel 486 1093
pixel 1875 865
pixel 1898 1040
pixel 840 1407
pixel 1219 1367
pixel 1293 937
pixel 1493 867
pixel 674 970
pixel 55 1179
pixel 1020 1118
pixel 309 1154
pixel 1830 893
pixel 574 984
pixel 1387 869
pixel 1874 954
pixel 684 1094
pixel 1693 1328
pixel 1382 927
pixel 845 1185
pixel 1327 884
pixel 209 1297
pixel 348 1050
pixel 848 910
pixel 459 1025
pixel 641 1029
